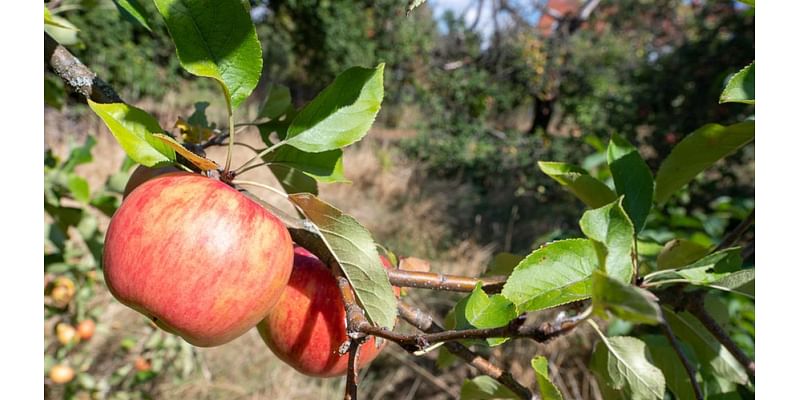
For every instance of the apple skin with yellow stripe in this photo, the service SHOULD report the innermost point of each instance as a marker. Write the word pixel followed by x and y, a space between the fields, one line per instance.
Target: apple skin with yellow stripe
pixel 307 327
pixel 197 257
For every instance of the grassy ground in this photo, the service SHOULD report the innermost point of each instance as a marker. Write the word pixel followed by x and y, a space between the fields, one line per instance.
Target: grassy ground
pixel 406 210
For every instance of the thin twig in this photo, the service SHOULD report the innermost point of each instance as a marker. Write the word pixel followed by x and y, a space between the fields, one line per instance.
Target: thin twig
pixel 733 236
pixel 77 76
pixel 351 387
pixel 698 392
pixel 696 307
pixel 425 323
pixel 453 283
pixel 355 318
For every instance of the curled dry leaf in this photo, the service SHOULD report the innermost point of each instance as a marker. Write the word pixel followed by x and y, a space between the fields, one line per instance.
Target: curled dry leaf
pixel 201 162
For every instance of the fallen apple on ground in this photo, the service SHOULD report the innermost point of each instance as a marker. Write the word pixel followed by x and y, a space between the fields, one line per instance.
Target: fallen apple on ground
pixel 61 374
pixel 86 329
pixel 307 325
pixel 197 257
pixel 66 334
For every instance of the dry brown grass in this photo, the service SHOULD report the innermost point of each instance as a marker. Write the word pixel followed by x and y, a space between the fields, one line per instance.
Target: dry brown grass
pixel 404 209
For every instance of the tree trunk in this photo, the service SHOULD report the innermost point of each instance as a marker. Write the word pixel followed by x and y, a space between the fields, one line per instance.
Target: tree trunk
pixel 542 112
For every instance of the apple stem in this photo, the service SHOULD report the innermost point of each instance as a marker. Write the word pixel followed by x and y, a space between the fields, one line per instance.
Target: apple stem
pixel 259 156
pixel 231 139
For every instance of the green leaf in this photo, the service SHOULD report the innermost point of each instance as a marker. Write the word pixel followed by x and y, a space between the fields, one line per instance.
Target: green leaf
pixel 555 274
pixel 78 187
pixel 547 389
pixel 711 354
pixel 742 282
pixel 625 366
pixel 216 39
pixel 751 3
pixel 503 264
pixel 133 12
pixel 624 301
pixel 667 360
pixel 293 180
pixel 708 269
pixel 483 311
pixel 698 151
pixel 134 129
pixel 679 252
pixel 485 388
pixel 632 179
pixel 354 251
pixel 585 187
pixel 50 19
pixel 279 102
pixel 79 155
pixel 65 216
pixel 63 31
pixel 741 88
pixel 325 167
pixel 340 115
pixel 610 226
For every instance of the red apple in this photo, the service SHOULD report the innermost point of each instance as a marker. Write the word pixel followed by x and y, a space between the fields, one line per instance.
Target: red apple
pixel 197 257
pixel 307 325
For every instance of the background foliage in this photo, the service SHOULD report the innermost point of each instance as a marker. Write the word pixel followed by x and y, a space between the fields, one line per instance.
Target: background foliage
pixel 467 104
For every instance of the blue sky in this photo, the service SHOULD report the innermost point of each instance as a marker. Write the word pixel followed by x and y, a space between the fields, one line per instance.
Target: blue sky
pixel 485 23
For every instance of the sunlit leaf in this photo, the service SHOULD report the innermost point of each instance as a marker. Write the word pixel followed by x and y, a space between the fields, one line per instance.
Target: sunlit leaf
pixel 50 19
pixel 342 114
pixel 555 274
pixel 63 31
pixel 547 389
pixel 354 251
pixel 484 311
pixel 134 129
pixel 585 187
pixel 741 88
pixel 78 187
pixel 625 366
pixel 611 227
pixel 216 39
pixel 698 151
